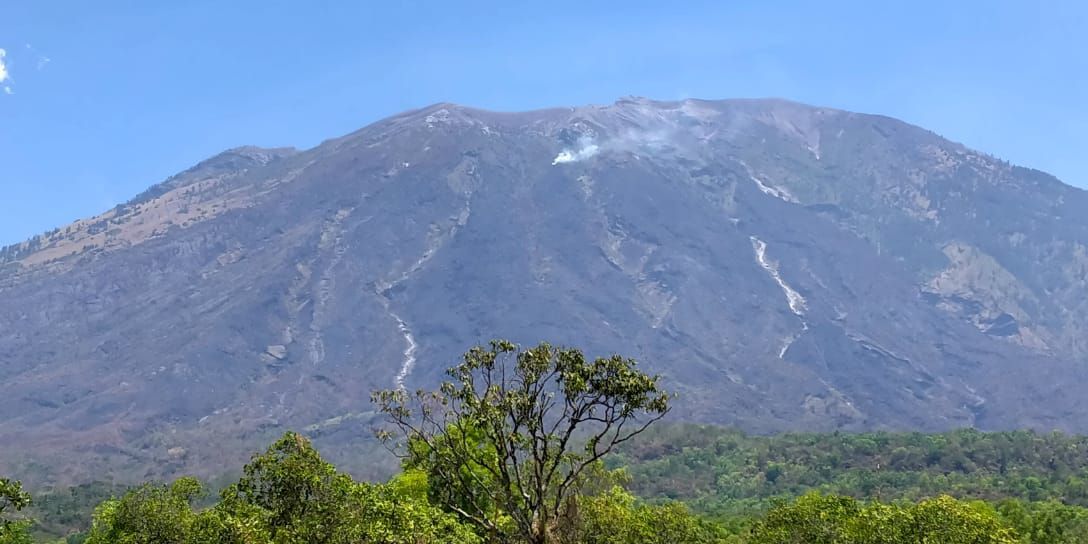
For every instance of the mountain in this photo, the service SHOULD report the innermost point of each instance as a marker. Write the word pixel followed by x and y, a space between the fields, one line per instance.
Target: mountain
pixel 784 267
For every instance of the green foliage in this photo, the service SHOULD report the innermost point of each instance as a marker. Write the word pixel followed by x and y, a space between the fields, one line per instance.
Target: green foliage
pixel 616 517
pixel 291 495
pixel 1046 522
pixel 12 501
pixel 729 474
pixel 823 519
pixel 462 483
pixel 812 519
pixel 1037 481
pixel 288 495
pixel 508 442
pixel 16 533
pixel 149 514
pixel 293 485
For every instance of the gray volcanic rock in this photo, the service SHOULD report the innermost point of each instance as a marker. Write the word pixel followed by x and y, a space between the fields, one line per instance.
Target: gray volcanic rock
pixel 784 267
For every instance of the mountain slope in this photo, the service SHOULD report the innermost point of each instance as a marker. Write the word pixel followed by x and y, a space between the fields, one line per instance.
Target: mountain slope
pixel 783 266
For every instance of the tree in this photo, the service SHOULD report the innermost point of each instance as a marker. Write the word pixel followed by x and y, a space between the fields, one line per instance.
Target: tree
pixel 830 519
pixel 811 519
pixel 1049 522
pixel 13 500
pixel 16 533
pixel 615 517
pixel 294 485
pixel 290 495
pixel 149 514
pixel 944 519
pixel 517 429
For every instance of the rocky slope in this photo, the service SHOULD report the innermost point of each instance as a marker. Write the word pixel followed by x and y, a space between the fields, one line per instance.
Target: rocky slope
pixel 783 266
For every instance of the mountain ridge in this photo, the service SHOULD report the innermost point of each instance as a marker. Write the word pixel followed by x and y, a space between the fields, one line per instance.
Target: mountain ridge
pixel 282 151
pixel 786 267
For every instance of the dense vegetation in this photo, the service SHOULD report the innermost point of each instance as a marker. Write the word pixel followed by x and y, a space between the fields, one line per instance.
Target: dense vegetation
pixel 1035 484
pixel 289 494
pixel 542 446
pixel 725 472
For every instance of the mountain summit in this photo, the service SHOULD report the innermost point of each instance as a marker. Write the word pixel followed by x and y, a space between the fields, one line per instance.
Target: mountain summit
pixel 784 267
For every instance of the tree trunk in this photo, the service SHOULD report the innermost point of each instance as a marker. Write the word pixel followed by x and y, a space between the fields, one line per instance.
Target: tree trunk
pixel 540 531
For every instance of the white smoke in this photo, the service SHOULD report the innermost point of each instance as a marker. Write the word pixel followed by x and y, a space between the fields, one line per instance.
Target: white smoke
pixel 587 148
pixel 646 142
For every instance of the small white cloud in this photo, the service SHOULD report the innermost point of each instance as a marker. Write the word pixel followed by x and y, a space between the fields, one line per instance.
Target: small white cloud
pixel 586 149
pixel 42 61
pixel 7 90
pixel 4 76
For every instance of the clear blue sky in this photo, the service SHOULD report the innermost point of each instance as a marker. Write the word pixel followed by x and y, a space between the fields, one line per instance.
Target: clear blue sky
pixel 110 97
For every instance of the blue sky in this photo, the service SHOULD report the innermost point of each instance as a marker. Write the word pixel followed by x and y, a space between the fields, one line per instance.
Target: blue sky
pixel 107 98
